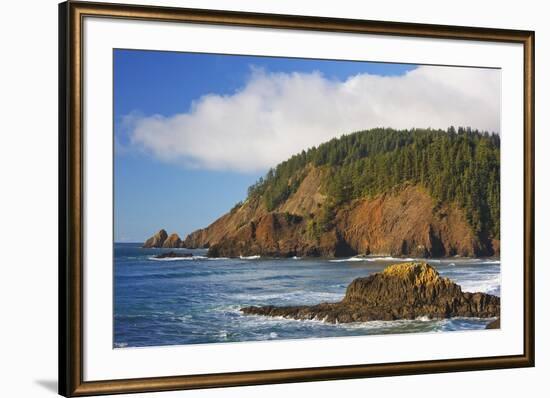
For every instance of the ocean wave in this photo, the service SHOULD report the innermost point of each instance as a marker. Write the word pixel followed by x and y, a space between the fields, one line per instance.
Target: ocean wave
pixel 370 259
pixel 276 298
pixel 255 257
pixel 262 321
pixel 391 259
pixel 193 258
pixel 421 324
pixel 346 260
pixel 153 258
pixel 489 284
pixel 454 260
pixel 121 345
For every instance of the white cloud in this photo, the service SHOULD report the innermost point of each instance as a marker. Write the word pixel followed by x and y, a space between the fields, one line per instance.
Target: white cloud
pixel 278 114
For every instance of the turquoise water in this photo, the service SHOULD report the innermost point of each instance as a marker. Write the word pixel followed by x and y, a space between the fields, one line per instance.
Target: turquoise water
pixel 197 300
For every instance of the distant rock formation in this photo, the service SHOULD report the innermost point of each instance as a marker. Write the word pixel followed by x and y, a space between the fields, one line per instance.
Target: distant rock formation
pixel 173 241
pixel 401 291
pixel 157 240
pixel 162 240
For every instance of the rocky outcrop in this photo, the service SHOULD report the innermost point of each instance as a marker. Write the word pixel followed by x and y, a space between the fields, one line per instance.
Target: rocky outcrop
pixel 401 291
pixel 173 241
pixel 173 255
pixel 404 222
pixel 162 240
pixel 494 324
pixel 157 240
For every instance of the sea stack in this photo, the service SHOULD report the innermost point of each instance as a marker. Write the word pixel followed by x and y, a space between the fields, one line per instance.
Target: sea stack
pixel 162 240
pixel 401 291
pixel 173 241
pixel 157 240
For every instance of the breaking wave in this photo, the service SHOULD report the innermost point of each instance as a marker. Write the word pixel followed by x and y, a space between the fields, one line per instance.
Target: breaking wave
pixel 193 258
pixel 370 259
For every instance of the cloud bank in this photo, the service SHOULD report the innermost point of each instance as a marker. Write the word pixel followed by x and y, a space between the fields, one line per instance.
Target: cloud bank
pixel 276 115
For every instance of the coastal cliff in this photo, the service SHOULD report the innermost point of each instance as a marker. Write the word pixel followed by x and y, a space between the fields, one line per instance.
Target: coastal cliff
pixel 403 222
pixel 419 193
pixel 401 291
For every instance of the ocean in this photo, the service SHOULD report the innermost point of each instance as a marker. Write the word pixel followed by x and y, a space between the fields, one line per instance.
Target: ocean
pixel 196 300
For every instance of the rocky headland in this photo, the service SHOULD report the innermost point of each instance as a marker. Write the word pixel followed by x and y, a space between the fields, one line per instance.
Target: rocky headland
pixel 401 291
pixel 412 193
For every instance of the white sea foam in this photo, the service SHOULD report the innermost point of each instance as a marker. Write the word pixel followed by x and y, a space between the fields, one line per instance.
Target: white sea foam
pixel 391 259
pixel 193 258
pixel 121 345
pixel 484 284
pixel 370 259
pixel 296 258
pixel 250 257
pixel 296 296
pixel 346 260
pixel 269 321
pixel 177 258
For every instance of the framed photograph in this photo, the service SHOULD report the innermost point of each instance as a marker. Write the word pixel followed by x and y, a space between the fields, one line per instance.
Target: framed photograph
pixel 252 199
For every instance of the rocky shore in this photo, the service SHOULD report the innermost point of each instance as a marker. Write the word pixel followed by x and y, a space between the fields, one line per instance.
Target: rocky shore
pixel 401 291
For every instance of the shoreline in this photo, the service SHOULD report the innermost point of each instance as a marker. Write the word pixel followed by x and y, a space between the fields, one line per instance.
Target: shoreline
pixel 358 257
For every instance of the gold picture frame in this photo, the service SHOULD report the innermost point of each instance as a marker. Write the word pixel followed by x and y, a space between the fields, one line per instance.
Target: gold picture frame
pixel 71 239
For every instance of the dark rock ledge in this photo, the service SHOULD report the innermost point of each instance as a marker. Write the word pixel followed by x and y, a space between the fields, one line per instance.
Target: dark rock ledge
pixel 172 254
pixel 401 291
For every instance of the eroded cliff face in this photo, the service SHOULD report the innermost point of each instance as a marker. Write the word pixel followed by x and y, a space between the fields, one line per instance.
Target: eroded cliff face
pixel 404 222
pixel 408 222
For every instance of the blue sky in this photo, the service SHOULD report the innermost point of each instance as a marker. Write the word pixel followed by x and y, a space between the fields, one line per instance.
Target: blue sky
pixel 194 131
pixel 150 193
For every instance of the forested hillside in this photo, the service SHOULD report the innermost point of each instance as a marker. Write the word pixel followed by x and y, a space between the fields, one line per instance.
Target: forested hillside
pixel 461 166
